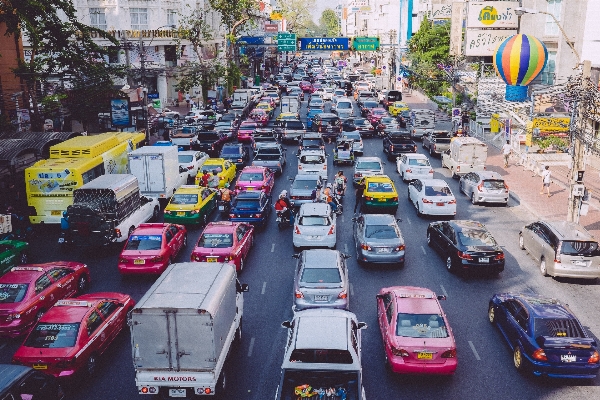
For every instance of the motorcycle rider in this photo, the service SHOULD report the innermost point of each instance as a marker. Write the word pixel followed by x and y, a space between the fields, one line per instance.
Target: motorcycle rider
pixel 284 206
pixel 340 183
pixel 213 181
pixel 204 179
pixel 328 196
pixel 315 196
pixel 226 194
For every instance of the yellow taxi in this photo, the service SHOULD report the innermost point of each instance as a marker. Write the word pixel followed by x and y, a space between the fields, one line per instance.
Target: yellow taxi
pixel 380 195
pixel 287 115
pixel 397 107
pixel 267 107
pixel 191 204
pixel 225 170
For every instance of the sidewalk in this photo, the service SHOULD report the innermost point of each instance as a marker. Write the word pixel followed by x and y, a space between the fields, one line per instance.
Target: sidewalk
pixel 525 185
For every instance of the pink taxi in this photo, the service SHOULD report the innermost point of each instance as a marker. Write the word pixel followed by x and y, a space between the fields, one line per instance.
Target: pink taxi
pixel 224 241
pixel 246 130
pixel 255 178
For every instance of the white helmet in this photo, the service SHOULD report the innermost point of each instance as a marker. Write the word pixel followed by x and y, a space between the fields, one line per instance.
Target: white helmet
pixel 283 194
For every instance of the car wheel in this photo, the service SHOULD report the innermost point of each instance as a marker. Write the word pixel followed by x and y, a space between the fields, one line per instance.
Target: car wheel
pixel 543 268
pixel 430 151
pixel 23 257
pixel 449 264
pixel 518 358
pixel 155 213
pixel 521 242
pixel 408 194
pixel 82 284
pixel 428 239
pixel 473 200
pixel 492 314
pixel 419 213
pixel 90 365
pixel 296 249
pixel 184 244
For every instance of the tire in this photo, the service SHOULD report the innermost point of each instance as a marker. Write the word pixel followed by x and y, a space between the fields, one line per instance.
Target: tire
pixel 543 267
pixel 518 358
pixel 82 284
pixel 521 242
pixel 449 264
pixel 90 365
pixel 473 201
pixel 429 239
pixel 492 314
pixel 131 229
pixel 155 214
pixel 23 258
pixel 296 249
pixel 221 387
pixel 184 244
pixel 419 213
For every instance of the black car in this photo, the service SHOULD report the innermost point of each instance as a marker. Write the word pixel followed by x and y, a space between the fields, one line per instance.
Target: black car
pixel 236 153
pixel 210 142
pixel 364 127
pixel 20 382
pixel 403 118
pixel 311 141
pixel 466 245
pixel 398 142
pixel 328 124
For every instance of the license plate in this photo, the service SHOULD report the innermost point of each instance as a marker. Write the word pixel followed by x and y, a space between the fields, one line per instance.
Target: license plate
pixel 580 263
pixel 440 204
pixel 177 393
pixel 61 240
pixel 249 188
pixel 484 259
pixel 314 237
pixel 382 250
pixel 139 262
pixel 564 358
pixel 425 356
pixel 381 199
pixel 321 297
pixel 212 259
pixel 221 208
pixel 181 214
pixel 55 212
pixel 40 366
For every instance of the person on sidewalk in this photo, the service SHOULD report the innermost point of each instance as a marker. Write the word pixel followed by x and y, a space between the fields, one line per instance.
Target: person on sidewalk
pixel 546 180
pixel 187 100
pixel 506 151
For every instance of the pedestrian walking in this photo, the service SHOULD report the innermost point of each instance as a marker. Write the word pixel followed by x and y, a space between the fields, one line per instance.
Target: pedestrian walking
pixel 546 179
pixel 360 189
pixel 187 99
pixel 506 151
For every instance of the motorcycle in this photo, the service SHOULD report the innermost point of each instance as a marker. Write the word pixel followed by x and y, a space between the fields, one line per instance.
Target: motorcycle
pixel 224 207
pixel 283 220
pixel 337 200
pixel 340 189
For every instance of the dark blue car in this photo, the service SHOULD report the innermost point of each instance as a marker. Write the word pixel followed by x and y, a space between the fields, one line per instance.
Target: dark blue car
pixel 544 335
pixel 250 206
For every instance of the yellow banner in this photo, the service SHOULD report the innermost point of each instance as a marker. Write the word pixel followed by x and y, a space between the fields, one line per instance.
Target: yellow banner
pixel 551 124
pixel 276 16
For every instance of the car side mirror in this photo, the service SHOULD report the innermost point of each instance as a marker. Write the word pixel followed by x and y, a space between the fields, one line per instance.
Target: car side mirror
pixel 399 220
pixel 182 169
pixel 245 287
pixel 296 255
pixel 347 256
pixel 286 324
pixel 362 325
pixel 441 297
pixel 379 296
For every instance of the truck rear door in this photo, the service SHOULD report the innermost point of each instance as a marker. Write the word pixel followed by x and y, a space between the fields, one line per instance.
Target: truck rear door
pixel 156 173
pixel 137 165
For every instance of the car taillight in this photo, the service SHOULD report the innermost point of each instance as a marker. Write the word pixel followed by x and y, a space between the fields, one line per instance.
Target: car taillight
pixel 399 352
pixel 299 294
pixel 464 256
pixel 12 316
pixel 118 232
pixel 122 260
pixel 194 211
pixel 194 257
pixel 427 201
pixel 167 212
pixel 452 202
pixel 296 230
pixel 190 167
pixel 392 147
pixel 499 257
pixel 480 187
pixel 299 166
pixel 399 248
pixel 431 171
pixel 409 171
pixel 365 246
pixel 368 198
pixel 594 358
pixel 324 166
pixel 156 259
pixel 394 199
pixel 257 215
pixel 357 175
pixel 539 355
pixel 331 231
pixel 343 294
pixel 434 147
pixel 65 363
pixel 449 354
pixel 231 215
pixel 238 187
pixel 506 187
pixel 458 168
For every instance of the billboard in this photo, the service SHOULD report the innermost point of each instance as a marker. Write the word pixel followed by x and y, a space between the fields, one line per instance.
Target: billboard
pixel 482 14
pixel 441 11
pixel 119 112
pixel 553 103
pixel 483 42
pixel 337 43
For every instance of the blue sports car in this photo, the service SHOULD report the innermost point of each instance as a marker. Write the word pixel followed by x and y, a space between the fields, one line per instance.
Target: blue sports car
pixel 544 335
pixel 250 206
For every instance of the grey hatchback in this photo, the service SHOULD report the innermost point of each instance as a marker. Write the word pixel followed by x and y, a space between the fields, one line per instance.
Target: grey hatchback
pixel 484 187
pixel 378 239
pixel 562 249
pixel 321 280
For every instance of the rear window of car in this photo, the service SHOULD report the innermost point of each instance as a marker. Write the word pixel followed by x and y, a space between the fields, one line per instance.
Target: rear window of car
pixel 251 176
pixel 216 240
pixel 208 136
pixel 185 158
pixel 381 232
pixel 184 198
pixel 437 191
pixel 421 326
pixel 326 356
pixel 321 275
pixel 267 156
pixel 304 184
pixel 312 143
pixel 313 220
pixel 144 242
pixel 441 140
pixel 246 204
pixel 423 162
pixel 382 187
pixel 368 165
pixel 579 248
pixel 294 125
pixel 12 292
pixel 344 105
pixel 231 150
pixel 475 237
pixel 557 327
pixel 312 159
pixel 493 184
pixel 46 335
pixel 354 136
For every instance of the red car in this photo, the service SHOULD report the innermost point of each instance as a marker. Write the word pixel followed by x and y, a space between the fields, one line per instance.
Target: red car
pixel 259 116
pixel 225 241
pixel 28 291
pixel 74 333
pixel 151 248
pixel 256 178
pixel 246 130
pixel 306 87
pixel 376 114
pixel 417 338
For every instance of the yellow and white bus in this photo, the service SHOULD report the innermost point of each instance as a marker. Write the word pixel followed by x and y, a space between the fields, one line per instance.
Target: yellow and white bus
pixel 50 183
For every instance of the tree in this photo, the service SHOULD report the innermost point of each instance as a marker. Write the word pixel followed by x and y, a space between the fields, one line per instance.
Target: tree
pixel 330 23
pixel 298 14
pixel 427 49
pixel 60 44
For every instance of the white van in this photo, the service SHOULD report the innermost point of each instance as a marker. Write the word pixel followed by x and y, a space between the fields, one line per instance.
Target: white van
pixel 313 162
pixel 466 154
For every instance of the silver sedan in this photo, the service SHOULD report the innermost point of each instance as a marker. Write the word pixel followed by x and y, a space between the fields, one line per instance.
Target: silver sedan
pixel 378 239
pixel 315 226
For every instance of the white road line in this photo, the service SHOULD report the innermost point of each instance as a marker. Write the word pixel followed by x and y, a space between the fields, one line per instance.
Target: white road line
pixel 351 290
pixel 273 248
pixel 474 351
pixel 442 286
pixel 408 220
pixel 423 250
pixel 342 218
pixel 3 345
pixel 252 346
pixel 263 288
pixel 346 247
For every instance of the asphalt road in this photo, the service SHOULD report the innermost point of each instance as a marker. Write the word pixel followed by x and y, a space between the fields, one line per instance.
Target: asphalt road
pixel 485 369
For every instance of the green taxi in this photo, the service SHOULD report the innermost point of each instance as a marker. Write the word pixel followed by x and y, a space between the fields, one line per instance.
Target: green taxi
pixel 380 195
pixel 12 253
pixel 191 204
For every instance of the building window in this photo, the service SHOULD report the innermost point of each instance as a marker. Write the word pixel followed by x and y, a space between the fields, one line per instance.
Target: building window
pixel 171 17
pixel 553 8
pixel 113 55
pixel 549 71
pixel 98 18
pixel 139 18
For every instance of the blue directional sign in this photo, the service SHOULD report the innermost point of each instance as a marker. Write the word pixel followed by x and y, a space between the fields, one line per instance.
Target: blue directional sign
pixel 323 43
pixel 251 40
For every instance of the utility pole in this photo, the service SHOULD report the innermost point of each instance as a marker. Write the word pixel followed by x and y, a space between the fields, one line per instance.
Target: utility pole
pixel 578 160
pixel 144 89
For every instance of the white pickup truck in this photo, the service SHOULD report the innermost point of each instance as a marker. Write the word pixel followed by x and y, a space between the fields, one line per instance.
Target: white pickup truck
pixel 466 154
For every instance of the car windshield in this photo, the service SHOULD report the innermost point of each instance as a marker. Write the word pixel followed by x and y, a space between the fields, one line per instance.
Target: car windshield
pixel 381 232
pixel 321 275
pixel 251 176
pixel 494 184
pixel 361 121
pixel 421 326
pixel 144 242
pixel 475 237
pixel 579 248
pixel 344 105
pixel 216 240
pixel 185 158
pixel 181 198
pixel 212 167
pixel 383 187
pixel 231 150
pixel 305 184
pixel 294 125
pixel 387 120
pixel 248 125
pixel 423 162
pixel 208 136
pixel 12 292
pixel 368 165
pixel 312 143
pixel 266 156
pixel 312 159
pixel 246 204
pixel 437 191
pixel 557 327
pixel 314 220
pixel 49 335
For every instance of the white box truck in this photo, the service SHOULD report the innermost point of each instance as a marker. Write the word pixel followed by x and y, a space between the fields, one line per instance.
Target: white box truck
pixel 183 328
pixel 290 104
pixel 466 154
pixel 157 170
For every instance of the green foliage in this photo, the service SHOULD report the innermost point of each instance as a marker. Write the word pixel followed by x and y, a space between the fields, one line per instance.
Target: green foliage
pixel 330 23
pixel 298 14
pixel 235 13
pixel 558 143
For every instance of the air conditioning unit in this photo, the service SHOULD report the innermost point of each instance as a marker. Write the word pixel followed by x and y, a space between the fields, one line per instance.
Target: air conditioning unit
pixel 578 190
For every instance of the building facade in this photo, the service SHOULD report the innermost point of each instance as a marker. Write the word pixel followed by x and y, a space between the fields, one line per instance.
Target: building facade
pixel 12 89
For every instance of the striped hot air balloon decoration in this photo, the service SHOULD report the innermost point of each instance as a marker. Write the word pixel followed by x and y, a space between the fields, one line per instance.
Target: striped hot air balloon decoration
pixel 518 61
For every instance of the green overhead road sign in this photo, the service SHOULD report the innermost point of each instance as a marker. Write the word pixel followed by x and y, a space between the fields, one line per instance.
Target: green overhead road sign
pixel 365 43
pixel 286 41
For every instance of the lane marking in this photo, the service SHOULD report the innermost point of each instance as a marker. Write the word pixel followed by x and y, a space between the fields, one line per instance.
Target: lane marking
pixel 3 345
pixel 252 346
pixel 346 247
pixel 263 288
pixel 409 221
pixel 442 286
pixel 342 218
pixel 351 290
pixel 474 351
pixel 273 248
pixel 423 250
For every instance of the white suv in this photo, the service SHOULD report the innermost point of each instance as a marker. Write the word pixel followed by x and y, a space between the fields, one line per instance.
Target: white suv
pixel 313 162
